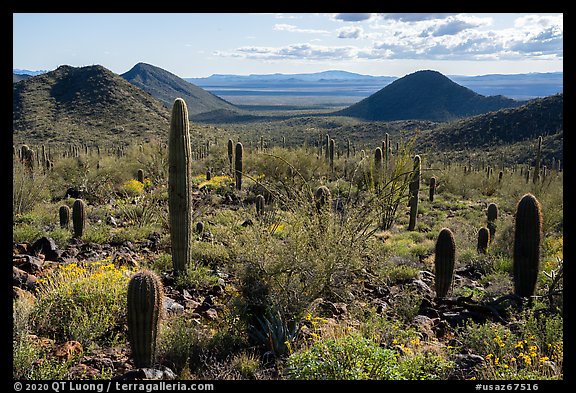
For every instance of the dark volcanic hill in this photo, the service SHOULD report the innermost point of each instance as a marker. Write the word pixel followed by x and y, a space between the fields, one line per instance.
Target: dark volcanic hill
pixel 425 95
pixel 92 103
pixel 540 116
pixel 519 127
pixel 166 87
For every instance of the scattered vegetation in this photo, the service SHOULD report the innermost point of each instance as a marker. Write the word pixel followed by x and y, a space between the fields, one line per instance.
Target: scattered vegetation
pixel 333 276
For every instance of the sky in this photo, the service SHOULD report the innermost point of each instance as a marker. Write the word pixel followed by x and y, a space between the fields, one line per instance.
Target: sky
pixel 193 45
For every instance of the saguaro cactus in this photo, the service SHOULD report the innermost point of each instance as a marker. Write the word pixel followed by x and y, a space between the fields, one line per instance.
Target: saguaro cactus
pixel 144 309
pixel 332 147
pixel 64 216
pixel 414 188
pixel 260 204
pixel 377 158
pixel 230 153
pixel 140 176
pixel 492 215
pixel 444 260
pixel 180 186
pixel 536 175
pixel 387 151
pixel 432 189
pixel 239 165
pixel 527 237
pixel 483 240
pixel 79 217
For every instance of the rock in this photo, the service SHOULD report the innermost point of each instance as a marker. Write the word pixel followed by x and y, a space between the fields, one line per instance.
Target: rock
pixel 466 363
pixel 217 290
pixel 171 306
pixel 195 316
pixel 423 288
pixel 335 309
pixel 83 371
pixel 211 314
pixel 28 263
pixel 424 325
pixel 73 192
pixel 22 248
pixel 41 343
pixel 163 373
pixel 22 279
pixel 381 305
pixel 47 246
pixel 68 350
pixel 19 293
pixel 125 260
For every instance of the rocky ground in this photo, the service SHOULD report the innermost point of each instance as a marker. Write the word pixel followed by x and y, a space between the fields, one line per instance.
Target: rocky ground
pixel 435 319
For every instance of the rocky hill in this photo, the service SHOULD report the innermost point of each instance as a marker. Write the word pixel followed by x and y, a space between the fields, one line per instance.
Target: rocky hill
pixel 166 87
pixel 425 95
pixel 88 104
pixel 504 128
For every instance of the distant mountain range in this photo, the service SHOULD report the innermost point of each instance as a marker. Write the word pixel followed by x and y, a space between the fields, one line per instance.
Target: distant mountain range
pixel 93 104
pixel 425 95
pixel 522 86
pixel 516 86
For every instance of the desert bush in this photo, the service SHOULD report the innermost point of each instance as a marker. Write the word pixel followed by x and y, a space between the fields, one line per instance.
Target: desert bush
pixel 354 357
pixel 28 188
pixel 82 303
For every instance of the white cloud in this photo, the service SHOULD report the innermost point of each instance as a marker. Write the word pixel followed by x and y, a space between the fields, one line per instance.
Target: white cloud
pixel 424 36
pixel 295 29
pixel 350 32
pixel 453 25
pixel 300 51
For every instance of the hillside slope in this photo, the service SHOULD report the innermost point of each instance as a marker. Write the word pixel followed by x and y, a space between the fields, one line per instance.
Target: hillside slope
pixel 506 127
pixel 424 95
pixel 89 104
pixel 166 87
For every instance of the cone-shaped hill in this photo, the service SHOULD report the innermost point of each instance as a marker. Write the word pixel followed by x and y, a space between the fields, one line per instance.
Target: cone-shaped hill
pixel 91 103
pixel 425 95
pixel 166 87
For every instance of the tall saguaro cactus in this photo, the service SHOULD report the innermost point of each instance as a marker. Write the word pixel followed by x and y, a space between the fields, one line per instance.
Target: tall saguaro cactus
pixel 432 189
pixel 414 188
pixel 444 260
pixel 536 175
pixel 239 165
pixel 180 186
pixel 144 309
pixel 230 153
pixel 527 237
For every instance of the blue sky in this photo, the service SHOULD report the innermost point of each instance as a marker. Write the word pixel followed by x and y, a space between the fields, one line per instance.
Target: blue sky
pixel 201 44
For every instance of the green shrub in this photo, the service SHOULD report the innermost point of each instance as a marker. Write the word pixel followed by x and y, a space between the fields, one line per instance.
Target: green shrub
pixel 353 357
pixel 82 303
pixel 348 357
